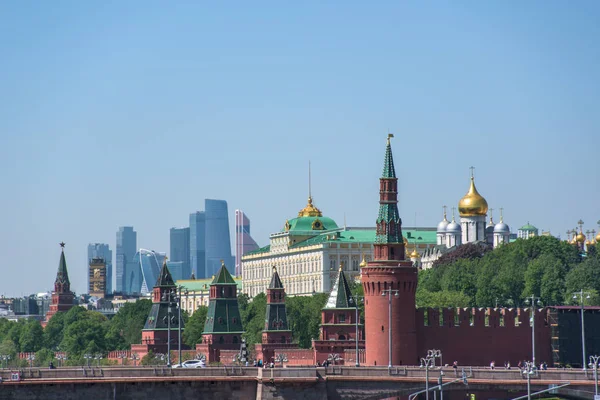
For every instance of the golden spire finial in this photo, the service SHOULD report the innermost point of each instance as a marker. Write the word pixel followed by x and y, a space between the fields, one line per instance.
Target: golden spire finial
pixel 274 269
pixel 580 223
pixel 453 208
pixel 472 172
pixel 222 263
pixel 165 261
pixel 341 266
pixel 389 136
pixel 492 216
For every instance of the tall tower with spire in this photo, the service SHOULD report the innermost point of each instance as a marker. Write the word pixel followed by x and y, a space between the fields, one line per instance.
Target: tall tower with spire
pixel 389 271
pixel 276 334
pixel 62 297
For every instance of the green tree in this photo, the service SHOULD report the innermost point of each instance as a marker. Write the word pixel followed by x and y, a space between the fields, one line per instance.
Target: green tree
pixel 53 332
pixel 8 347
pixel 44 356
pixel 31 338
pixel 194 327
pixel 304 317
pixel 254 321
pixel 442 299
pixel 584 276
pixel 126 326
pixel 85 335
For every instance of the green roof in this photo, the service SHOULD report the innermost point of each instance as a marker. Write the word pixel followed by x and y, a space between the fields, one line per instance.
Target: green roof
pixel 367 236
pixel 62 276
pixel 304 224
pixel 340 293
pixel 388 165
pixel 196 285
pixel 275 281
pixel 164 278
pixel 223 277
pixel 528 227
pixel 264 249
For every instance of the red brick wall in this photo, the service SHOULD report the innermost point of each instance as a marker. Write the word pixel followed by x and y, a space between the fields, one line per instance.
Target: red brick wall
pixel 298 357
pixel 471 342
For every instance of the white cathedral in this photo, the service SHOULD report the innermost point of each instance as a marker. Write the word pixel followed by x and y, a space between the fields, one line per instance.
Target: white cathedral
pixel 473 228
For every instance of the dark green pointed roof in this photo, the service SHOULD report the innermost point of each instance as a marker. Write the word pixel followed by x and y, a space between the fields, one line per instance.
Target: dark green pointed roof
pixel 223 277
pixel 275 280
pixel 164 278
pixel 340 293
pixel 62 276
pixel 388 166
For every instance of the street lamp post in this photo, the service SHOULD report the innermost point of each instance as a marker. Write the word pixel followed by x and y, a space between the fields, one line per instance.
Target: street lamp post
pixel 170 297
pixel 427 363
pixel 594 361
pixel 355 299
pixel 61 359
pixel 98 357
pixel 533 301
pixel 5 358
pixel 389 292
pixel 30 358
pixel 88 357
pixel 529 370
pixel 123 356
pixel 333 358
pixel 134 358
pixel 179 321
pixel 580 295
pixel 281 358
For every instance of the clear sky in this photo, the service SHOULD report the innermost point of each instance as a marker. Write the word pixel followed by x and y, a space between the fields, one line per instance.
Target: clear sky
pixel 132 113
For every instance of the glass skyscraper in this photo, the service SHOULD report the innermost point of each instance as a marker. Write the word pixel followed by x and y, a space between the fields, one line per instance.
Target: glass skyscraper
pixel 243 241
pixel 126 247
pixel 197 247
pixel 101 250
pixel 217 239
pixel 142 271
pixel 180 250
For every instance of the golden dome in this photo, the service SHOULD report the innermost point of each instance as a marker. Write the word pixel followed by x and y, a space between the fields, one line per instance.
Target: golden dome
pixel 598 238
pixel 415 254
pixel 310 210
pixel 580 237
pixel 472 204
pixel 363 263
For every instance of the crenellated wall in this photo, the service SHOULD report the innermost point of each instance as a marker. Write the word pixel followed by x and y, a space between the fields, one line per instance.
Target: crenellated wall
pixel 477 336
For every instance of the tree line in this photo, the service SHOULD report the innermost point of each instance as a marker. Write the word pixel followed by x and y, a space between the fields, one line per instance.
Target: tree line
pixel 543 266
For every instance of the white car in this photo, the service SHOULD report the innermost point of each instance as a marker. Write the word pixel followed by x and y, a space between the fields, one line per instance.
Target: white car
pixel 191 364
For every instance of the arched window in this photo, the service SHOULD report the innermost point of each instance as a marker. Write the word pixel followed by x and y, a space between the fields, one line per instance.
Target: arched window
pixel 221 339
pixel 235 339
pixel 341 337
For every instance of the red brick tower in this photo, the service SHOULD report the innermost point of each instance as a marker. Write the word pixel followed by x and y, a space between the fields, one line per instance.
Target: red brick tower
pixel 389 271
pixel 62 297
pixel 276 335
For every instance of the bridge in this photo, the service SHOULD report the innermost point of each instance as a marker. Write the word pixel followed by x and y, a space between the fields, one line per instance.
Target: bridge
pixel 373 383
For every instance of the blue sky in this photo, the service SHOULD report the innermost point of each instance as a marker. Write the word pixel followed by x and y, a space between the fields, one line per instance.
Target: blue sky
pixel 131 113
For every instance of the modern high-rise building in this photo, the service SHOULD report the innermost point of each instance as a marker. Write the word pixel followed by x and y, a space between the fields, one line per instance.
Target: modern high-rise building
pixel 197 245
pixel 101 250
pixel 243 241
pixel 217 239
pixel 141 273
pixel 180 251
pixel 126 248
